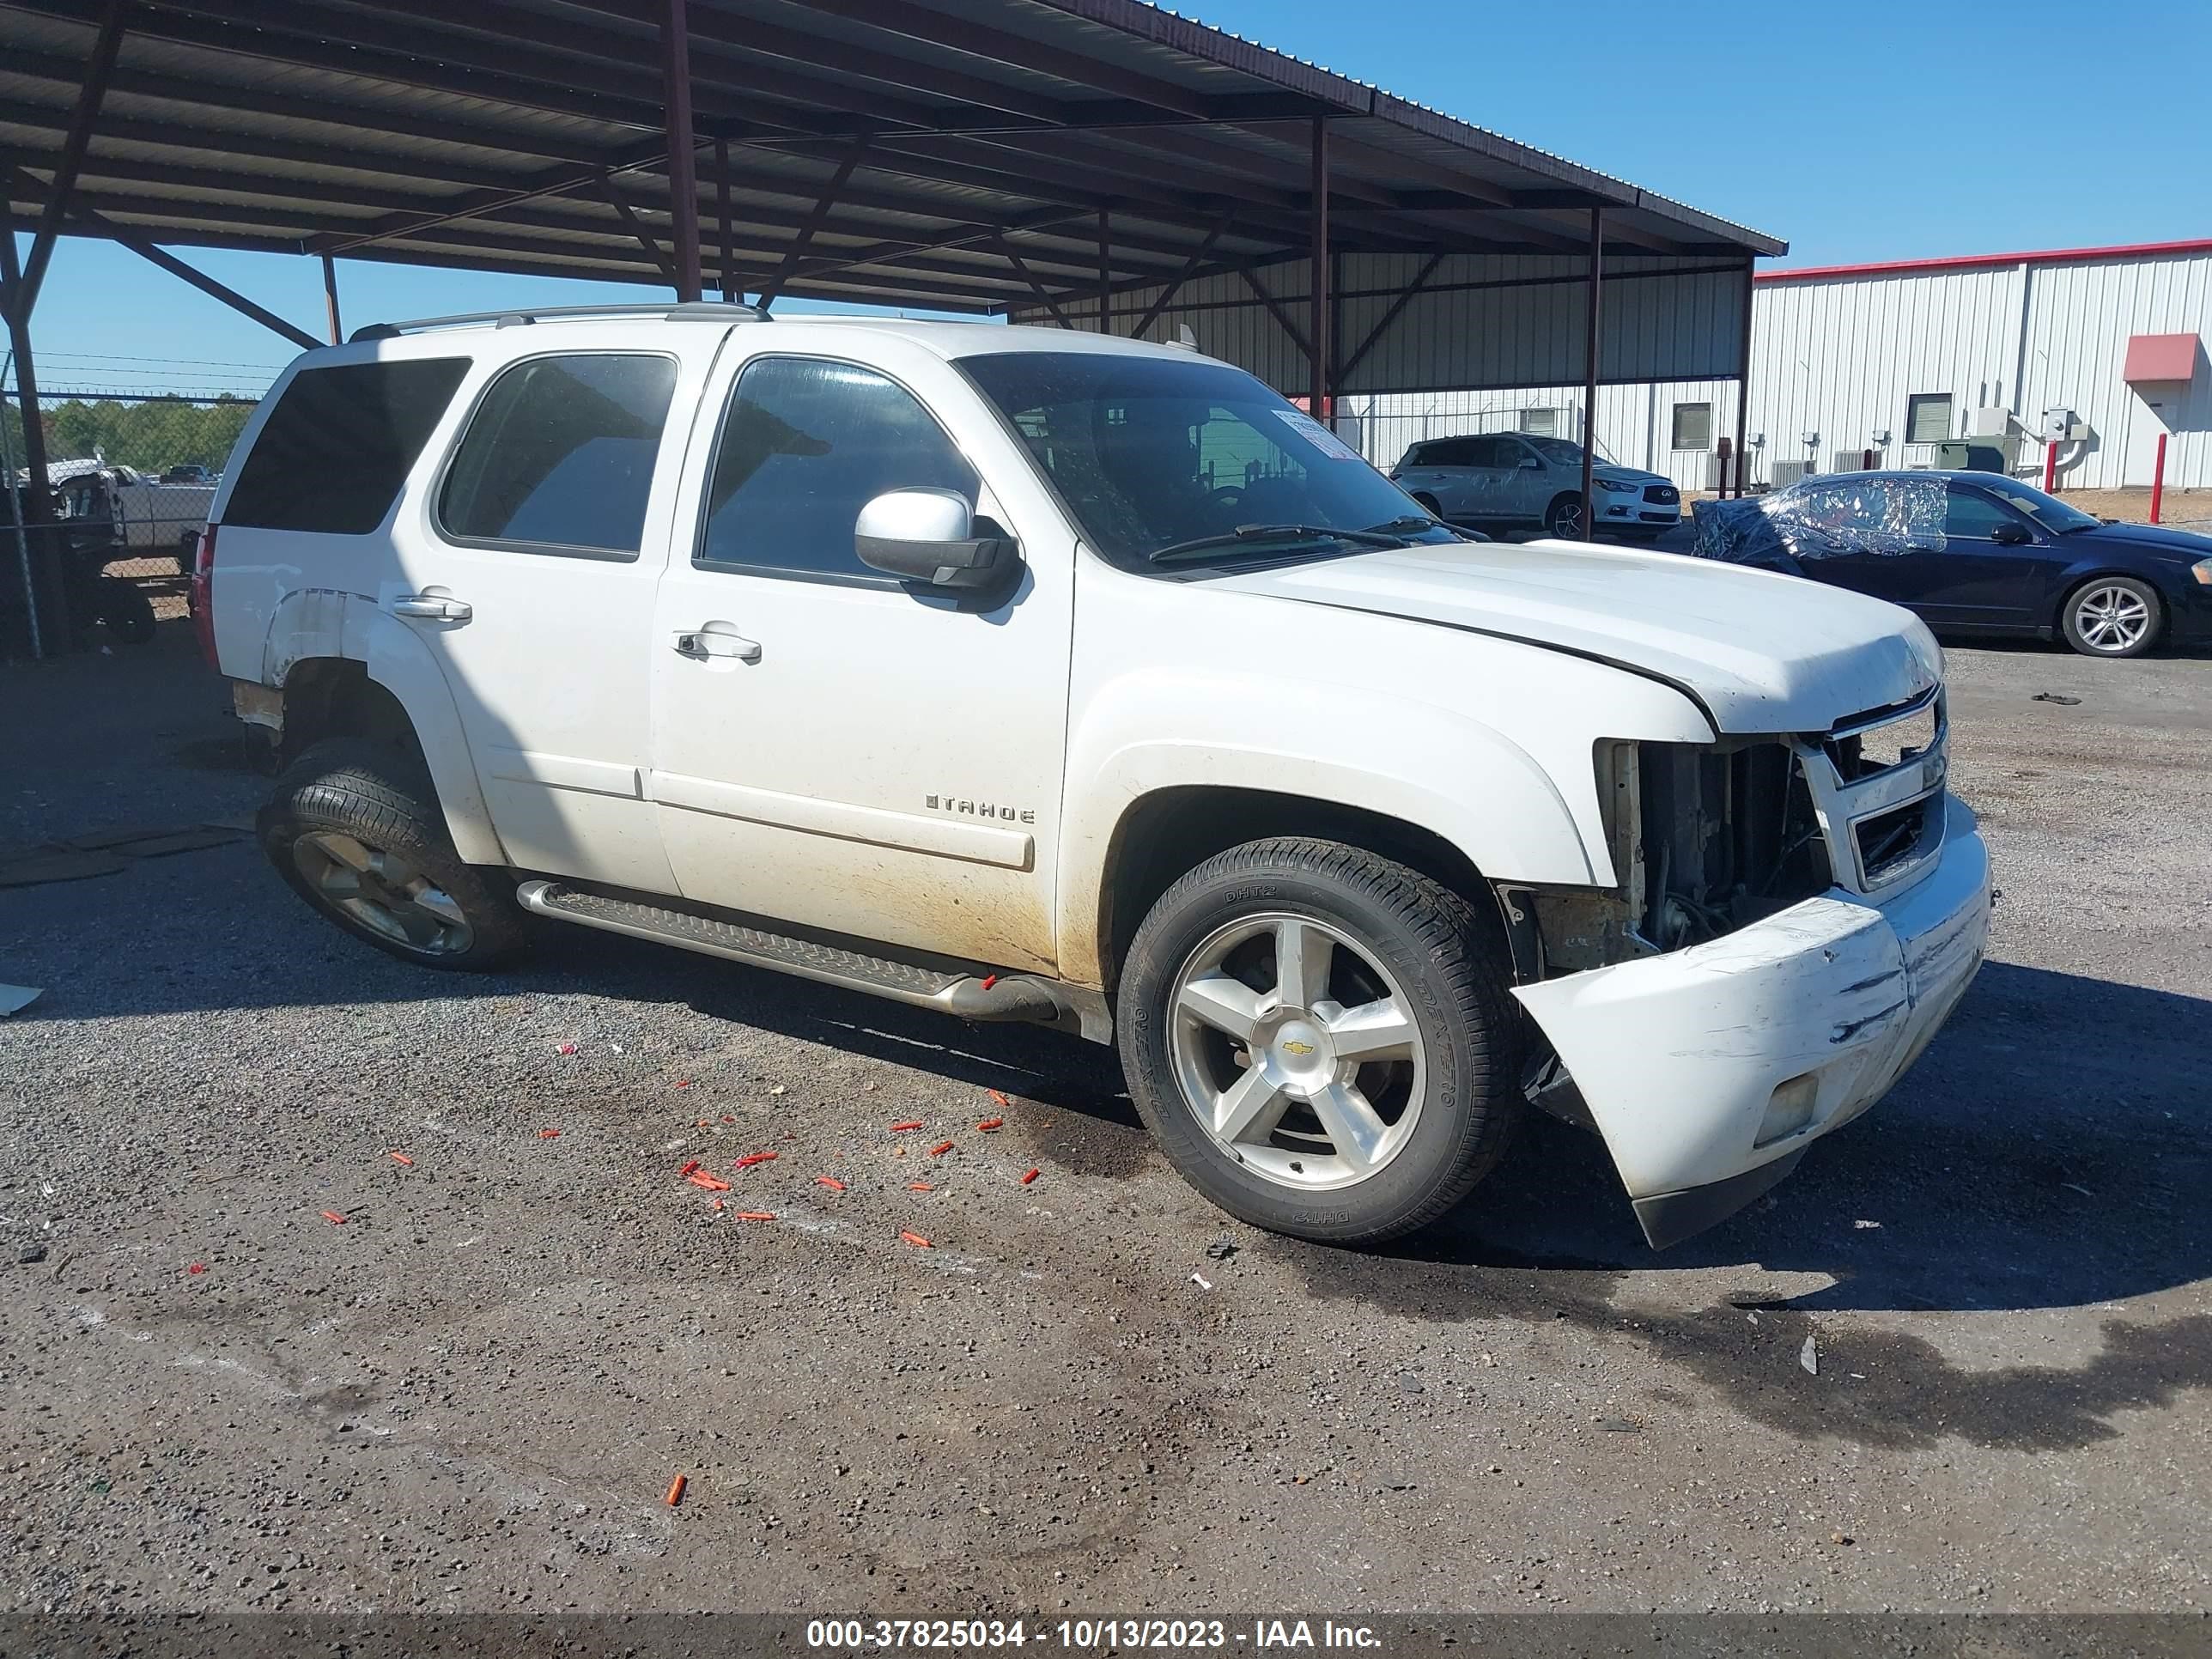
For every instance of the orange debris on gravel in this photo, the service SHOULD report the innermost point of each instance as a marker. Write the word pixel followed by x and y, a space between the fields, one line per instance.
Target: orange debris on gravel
pixel 831 1182
pixel 917 1241
pixel 547 1134
pixel 911 1123
pixel 754 1215
pixel 751 1159
pixel 675 1489
pixel 999 1099
pixel 334 1217
pixel 991 1123
pixel 705 1183
pixel 940 1149
pixel 1031 1177
pixel 401 1157
pixel 919 1187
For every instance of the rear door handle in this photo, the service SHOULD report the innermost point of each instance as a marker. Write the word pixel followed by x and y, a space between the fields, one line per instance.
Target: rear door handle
pixel 432 607
pixel 702 644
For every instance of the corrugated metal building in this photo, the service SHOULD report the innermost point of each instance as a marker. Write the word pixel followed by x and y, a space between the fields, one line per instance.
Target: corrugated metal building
pixel 1891 358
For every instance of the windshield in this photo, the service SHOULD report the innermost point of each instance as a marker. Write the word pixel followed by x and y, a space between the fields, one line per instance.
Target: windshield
pixel 2048 511
pixel 1558 451
pixel 1152 454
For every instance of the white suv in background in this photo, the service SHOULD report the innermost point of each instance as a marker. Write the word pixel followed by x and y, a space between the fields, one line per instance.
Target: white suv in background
pixel 1495 478
pixel 1030 674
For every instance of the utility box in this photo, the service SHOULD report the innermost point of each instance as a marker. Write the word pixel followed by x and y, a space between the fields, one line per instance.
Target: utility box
pixel 1988 423
pixel 2060 425
pixel 1977 455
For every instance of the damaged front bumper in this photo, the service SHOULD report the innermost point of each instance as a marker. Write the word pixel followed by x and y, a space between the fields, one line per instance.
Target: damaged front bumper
pixel 1709 1070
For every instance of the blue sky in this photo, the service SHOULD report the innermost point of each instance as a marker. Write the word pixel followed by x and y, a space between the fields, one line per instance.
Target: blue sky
pixel 1857 133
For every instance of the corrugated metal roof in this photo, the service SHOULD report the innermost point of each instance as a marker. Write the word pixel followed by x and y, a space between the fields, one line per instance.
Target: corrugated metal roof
pixel 484 136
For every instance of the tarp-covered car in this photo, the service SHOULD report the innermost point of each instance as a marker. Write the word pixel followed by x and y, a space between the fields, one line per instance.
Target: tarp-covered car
pixel 1977 553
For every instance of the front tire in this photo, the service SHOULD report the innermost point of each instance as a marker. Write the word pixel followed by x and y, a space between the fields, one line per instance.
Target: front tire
pixel 2113 616
pixel 355 829
pixel 1563 517
pixel 1319 1039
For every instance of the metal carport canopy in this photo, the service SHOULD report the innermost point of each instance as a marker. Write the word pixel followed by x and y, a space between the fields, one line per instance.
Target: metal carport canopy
pixel 970 155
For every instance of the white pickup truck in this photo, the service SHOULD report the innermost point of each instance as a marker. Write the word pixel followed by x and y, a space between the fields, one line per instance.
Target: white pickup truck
pixel 1031 675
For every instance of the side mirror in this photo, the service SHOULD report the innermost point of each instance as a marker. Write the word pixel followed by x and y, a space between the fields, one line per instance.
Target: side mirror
pixel 2011 535
pixel 929 535
pixel 1531 464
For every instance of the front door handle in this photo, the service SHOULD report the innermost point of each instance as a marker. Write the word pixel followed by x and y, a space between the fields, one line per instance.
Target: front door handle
pixel 432 606
pixel 703 644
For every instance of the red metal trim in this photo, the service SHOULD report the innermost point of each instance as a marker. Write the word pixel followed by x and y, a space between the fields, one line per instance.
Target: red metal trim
pixel 1983 261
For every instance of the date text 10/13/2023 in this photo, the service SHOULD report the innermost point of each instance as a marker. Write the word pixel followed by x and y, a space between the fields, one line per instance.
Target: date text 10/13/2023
pixel 1084 1635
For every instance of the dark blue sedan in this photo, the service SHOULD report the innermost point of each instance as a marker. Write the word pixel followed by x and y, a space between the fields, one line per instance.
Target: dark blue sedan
pixel 1977 553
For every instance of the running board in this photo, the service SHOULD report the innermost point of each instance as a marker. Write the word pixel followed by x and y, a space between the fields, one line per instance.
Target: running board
pixel 969 995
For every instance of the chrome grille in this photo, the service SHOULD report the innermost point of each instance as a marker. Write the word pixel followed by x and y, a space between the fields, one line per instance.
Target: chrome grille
pixel 1877 784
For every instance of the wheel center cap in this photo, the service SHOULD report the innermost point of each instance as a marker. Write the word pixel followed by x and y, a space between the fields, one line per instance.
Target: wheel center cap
pixel 1300 1049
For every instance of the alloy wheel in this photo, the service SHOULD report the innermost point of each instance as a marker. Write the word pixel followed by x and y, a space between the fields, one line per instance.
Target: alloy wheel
pixel 2110 618
pixel 1296 1051
pixel 383 892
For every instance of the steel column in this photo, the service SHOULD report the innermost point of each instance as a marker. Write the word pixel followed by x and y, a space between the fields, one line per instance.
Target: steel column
pixel 683 172
pixel 48 599
pixel 722 201
pixel 1105 271
pixel 330 297
pixel 1743 386
pixel 1590 371
pixel 1317 325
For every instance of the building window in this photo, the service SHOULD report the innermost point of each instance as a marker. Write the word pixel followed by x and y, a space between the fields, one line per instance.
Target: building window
pixel 1693 426
pixel 1544 422
pixel 1928 417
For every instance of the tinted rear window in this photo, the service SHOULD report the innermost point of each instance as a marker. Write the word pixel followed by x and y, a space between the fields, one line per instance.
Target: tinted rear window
pixel 560 454
pixel 336 449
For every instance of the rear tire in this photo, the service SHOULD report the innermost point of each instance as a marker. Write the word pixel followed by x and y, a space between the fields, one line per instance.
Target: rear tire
pixel 355 829
pixel 126 608
pixel 1428 504
pixel 1379 1076
pixel 2113 616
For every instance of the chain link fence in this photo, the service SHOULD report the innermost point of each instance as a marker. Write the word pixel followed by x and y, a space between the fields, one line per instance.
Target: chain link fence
pixel 131 472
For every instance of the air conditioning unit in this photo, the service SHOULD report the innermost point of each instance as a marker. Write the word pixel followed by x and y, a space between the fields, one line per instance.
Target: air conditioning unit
pixel 1783 473
pixel 1853 460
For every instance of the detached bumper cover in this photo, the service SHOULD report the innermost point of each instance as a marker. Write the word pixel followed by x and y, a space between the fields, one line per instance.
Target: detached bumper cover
pixel 1679 1057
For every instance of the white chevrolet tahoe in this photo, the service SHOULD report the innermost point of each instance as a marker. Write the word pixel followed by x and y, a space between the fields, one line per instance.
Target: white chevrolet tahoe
pixel 1031 675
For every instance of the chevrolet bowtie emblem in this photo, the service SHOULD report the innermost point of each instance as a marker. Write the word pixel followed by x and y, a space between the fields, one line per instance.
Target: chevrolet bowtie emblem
pixel 1299 1047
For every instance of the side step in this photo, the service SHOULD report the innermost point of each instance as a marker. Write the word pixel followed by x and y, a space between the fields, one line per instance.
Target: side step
pixel 1013 996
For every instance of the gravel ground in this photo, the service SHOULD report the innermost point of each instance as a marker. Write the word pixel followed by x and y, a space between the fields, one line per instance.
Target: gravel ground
pixel 474 1393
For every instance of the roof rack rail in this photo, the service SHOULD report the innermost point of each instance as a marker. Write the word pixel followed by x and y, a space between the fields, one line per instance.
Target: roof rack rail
pixel 713 310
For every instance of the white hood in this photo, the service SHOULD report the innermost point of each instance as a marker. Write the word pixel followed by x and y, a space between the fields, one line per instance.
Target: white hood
pixel 1763 652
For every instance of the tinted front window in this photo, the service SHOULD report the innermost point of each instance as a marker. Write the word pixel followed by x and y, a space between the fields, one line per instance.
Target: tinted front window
pixel 1150 454
pixel 2048 511
pixel 561 453
pixel 340 442
pixel 1558 451
pixel 806 444
pixel 1974 516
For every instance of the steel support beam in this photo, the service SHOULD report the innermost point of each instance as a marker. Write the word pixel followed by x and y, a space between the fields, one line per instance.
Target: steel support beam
pixel 48 598
pixel 1283 317
pixel 729 261
pixel 1006 251
pixel 1317 325
pixel 1743 386
pixel 682 174
pixel 636 226
pixel 1190 265
pixel 815 220
pixel 105 46
pixel 1406 297
pixel 1105 271
pixel 330 297
pixel 1589 371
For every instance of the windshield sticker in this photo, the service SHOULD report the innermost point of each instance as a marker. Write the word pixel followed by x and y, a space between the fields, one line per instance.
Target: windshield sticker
pixel 1317 435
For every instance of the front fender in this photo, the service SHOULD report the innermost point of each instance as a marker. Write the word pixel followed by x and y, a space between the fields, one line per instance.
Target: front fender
pixel 312 622
pixel 1444 772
